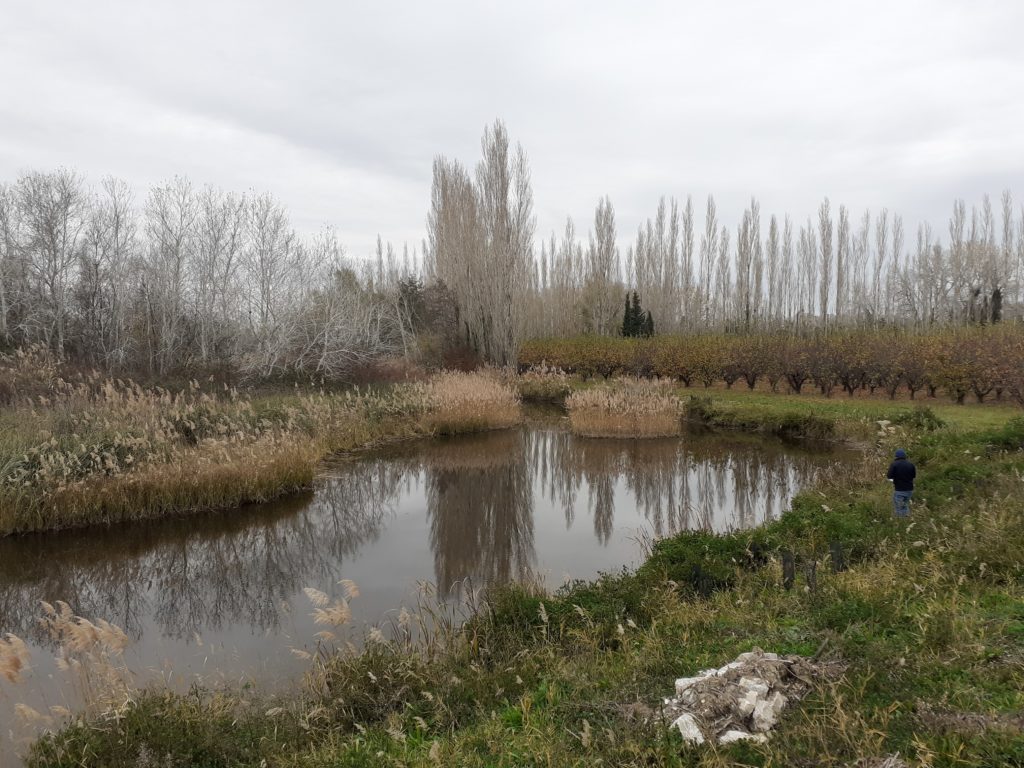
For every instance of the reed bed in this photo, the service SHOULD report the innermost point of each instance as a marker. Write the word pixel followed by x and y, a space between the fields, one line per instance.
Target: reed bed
pixel 459 402
pixel 103 450
pixel 626 408
pixel 543 384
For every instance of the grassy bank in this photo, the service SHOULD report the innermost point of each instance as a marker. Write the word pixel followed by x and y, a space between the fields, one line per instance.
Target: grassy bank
pixel 929 618
pixel 105 451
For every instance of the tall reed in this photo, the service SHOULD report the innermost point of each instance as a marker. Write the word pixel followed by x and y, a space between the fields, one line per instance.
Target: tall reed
pixel 626 407
pixel 102 450
pixel 469 402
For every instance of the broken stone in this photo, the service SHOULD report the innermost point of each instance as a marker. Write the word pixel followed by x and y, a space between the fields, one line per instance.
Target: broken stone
pixel 745 705
pixel 730 736
pixel 754 684
pixel 743 698
pixel 689 729
pixel 766 712
pixel 685 682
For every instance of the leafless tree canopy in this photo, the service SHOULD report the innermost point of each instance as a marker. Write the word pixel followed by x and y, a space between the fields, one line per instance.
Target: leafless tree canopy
pixel 190 279
pixel 481 243
pixel 187 278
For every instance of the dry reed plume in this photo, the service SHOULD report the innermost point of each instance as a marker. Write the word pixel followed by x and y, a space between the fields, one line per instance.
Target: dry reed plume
pixel 92 653
pixel 89 652
pixel 469 402
pixel 542 383
pixel 626 408
pixel 102 450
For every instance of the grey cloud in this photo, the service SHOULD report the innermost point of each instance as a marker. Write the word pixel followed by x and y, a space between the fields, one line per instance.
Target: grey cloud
pixel 339 108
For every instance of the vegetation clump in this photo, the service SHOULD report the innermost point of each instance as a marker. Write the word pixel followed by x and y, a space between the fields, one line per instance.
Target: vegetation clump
pixel 102 450
pixel 459 402
pixel 626 408
pixel 541 384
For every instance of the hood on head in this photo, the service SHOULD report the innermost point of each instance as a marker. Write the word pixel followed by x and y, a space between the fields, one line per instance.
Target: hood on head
pixel 900 453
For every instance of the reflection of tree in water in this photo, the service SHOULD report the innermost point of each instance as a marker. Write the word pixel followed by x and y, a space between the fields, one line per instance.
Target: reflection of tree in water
pixel 709 483
pixel 480 505
pixel 198 574
pixel 206 572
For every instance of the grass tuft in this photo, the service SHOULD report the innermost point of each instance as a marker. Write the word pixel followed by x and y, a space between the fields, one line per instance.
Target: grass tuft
pixel 626 408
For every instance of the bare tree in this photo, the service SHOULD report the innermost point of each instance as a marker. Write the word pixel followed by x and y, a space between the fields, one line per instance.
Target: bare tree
pixel 481 239
pixel 687 245
pixel 9 256
pixel 842 263
pixel 708 254
pixel 825 243
pixel 104 289
pixel 220 242
pixel 807 250
pixel 602 288
pixel 171 212
pixel 723 280
pixel 774 272
pixel 881 252
pixel 53 210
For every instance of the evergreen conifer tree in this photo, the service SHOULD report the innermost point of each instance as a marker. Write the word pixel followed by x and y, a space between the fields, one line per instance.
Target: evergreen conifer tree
pixel 648 325
pixel 636 315
pixel 627 319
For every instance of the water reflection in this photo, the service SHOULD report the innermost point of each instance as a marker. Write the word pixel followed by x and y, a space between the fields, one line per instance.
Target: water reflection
pixel 491 508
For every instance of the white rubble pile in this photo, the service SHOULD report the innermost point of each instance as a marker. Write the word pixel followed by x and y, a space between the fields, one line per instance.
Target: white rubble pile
pixel 743 699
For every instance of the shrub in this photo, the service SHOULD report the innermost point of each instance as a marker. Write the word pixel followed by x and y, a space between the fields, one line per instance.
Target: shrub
pixel 922 417
pixel 980 360
pixel 706 562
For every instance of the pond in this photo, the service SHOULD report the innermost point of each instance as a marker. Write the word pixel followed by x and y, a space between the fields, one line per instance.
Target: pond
pixel 219 597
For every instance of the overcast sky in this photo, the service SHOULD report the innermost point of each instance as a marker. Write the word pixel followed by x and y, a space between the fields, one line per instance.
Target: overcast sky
pixel 338 108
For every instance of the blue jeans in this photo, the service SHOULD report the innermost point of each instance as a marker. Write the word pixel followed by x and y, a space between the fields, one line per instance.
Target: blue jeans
pixel 901 503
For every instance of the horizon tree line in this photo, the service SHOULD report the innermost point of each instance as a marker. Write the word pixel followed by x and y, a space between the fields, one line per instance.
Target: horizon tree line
pixel 194 278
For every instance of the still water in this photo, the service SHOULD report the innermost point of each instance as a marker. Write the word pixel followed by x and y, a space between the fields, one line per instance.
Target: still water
pixel 219 597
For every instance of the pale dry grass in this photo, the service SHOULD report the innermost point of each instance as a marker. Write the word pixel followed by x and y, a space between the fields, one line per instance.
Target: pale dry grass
pixel 103 450
pixel 544 384
pixel 460 402
pixel 626 408
pixel 90 654
pixel 14 658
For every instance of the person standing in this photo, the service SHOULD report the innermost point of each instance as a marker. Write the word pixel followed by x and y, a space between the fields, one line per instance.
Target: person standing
pixel 902 473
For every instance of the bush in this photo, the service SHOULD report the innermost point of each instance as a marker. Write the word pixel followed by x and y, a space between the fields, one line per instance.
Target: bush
pixel 706 562
pixel 962 361
pixel 922 417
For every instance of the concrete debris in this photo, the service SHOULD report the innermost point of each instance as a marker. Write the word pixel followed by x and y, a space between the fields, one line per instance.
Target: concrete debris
pixel 730 736
pixel 744 699
pixel 890 761
pixel 689 729
pixel 767 711
pixel 685 682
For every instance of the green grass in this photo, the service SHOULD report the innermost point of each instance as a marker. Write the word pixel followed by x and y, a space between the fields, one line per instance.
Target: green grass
pixel 929 620
pixel 857 409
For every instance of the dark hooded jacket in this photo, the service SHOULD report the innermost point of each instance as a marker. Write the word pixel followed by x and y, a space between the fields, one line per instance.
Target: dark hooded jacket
pixel 902 474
